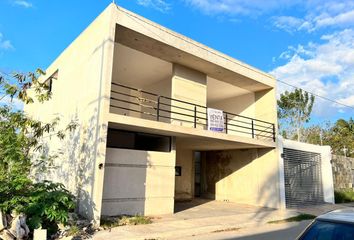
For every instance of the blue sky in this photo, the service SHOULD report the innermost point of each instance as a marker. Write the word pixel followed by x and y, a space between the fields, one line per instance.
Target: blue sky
pixel 309 44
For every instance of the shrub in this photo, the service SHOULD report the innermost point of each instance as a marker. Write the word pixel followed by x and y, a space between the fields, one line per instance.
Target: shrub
pixel 46 204
pixel 22 150
pixel 344 195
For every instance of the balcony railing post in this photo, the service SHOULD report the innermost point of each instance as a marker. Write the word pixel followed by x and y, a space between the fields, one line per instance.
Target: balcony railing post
pixel 252 129
pixel 225 122
pixel 158 109
pixel 195 116
pixel 274 136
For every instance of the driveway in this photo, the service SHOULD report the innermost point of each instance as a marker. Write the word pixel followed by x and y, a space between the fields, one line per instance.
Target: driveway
pixel 203 219
pixel 198 217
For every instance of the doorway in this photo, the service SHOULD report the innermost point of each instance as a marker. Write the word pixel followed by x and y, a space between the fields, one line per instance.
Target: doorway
pixel 197 174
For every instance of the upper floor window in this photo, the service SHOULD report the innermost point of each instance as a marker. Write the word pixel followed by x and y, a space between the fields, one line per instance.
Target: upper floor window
pixel 49 81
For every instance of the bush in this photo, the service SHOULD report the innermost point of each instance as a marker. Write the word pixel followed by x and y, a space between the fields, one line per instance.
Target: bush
pixel 22 150
pixel 46 204
pixel 344 196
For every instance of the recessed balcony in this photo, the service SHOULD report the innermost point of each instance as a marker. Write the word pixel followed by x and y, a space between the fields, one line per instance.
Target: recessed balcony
pixel 130 101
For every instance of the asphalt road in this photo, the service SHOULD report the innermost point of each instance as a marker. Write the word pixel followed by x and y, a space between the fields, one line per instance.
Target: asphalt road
pixel 287 231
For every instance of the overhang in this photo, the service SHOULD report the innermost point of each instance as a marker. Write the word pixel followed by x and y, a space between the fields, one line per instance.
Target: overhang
pixel 143 35
pixel 193 138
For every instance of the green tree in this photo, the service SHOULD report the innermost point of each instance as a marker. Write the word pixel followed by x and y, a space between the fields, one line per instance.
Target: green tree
pixel 341 137
pixel 21 151
pixel 294 110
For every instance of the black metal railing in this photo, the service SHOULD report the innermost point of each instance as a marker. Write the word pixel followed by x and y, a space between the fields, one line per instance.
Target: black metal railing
pixel 143 104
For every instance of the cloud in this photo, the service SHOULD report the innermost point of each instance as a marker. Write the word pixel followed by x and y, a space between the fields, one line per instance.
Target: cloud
pixel 235 7
pixel 5 44
pixel 15 103
pixel 23 3
pixel 291 24
pixel 348 100
pixel 334 14
pixel 160 5
pixel 326 69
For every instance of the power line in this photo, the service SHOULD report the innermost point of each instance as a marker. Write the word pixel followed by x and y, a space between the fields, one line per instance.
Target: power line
pixel 4 73
pixel 317 95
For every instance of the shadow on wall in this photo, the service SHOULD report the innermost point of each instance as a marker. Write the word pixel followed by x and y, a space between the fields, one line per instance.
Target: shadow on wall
pixel 247 176
pixel 75 165
pixel 124 188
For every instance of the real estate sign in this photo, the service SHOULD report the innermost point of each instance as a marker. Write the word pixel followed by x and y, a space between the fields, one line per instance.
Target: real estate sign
pixel 215 120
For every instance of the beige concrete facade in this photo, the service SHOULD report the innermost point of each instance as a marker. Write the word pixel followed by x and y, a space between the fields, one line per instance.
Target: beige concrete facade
pixel 122 48
pixel 138 182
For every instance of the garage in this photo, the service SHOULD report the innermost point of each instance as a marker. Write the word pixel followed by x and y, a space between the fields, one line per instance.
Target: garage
pixel 303 178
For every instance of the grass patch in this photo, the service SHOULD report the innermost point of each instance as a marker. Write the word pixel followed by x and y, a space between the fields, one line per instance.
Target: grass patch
pixel 226 230
pixel 298 218
pixel 124 220
pixel 344 196
pixel 74 230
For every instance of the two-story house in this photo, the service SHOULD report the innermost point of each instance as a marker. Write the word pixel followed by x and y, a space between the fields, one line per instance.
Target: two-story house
pixel 162 118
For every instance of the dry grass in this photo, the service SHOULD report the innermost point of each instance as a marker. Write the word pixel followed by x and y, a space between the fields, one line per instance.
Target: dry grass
pixel 124 220
pixel 226 230
pixel 298 218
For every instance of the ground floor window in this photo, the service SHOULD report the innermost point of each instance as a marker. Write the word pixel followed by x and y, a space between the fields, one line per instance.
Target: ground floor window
pixel 138 141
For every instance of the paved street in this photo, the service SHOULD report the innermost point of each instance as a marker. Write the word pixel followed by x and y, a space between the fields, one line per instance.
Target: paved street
pixel 288 231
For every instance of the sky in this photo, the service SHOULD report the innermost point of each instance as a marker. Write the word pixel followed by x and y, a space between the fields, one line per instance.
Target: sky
pixel 305 43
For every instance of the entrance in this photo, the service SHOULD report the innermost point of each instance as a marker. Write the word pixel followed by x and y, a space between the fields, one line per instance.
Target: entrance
pixel 197 174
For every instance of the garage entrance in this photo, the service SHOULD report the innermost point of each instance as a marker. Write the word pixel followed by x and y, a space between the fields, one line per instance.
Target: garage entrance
pixel 303 178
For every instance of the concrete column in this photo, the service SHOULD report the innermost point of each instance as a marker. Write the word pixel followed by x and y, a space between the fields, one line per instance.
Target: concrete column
pixel 266 110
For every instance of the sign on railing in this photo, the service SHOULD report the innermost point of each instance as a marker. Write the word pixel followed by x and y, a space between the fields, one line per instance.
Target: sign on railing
pixel 215 120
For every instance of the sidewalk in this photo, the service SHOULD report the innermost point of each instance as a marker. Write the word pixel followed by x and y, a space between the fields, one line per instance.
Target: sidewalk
pixel 203 219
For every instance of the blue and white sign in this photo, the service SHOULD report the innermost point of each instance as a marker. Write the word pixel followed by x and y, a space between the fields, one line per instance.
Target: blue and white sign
pixel 215 120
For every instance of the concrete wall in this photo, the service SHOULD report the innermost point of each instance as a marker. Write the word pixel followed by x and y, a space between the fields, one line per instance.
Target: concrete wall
pixel 248 176
pixel 162 88
pixel 243 105
pixel 343 172
pixel 138 182
pixel 81 93
pixel 184 187
pixel 326 168
pixel 190 86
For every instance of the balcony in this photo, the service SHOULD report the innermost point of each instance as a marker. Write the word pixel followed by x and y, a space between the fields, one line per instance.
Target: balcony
pixel 134 102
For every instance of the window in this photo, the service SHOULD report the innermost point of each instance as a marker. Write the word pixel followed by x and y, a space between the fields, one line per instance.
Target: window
pixel 49 81
pixel 138 141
